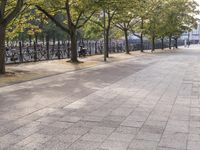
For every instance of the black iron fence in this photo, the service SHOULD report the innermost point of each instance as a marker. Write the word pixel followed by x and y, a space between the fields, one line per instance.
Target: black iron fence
pixel 21 53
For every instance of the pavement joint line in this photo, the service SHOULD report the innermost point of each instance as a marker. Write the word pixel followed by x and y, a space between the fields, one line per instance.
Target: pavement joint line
pixel 146 117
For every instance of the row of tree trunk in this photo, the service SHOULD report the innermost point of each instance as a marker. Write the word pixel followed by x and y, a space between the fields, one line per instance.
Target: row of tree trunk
pixel 152 42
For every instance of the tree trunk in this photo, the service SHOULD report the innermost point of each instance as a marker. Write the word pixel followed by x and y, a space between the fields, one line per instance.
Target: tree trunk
pixel 73 46
pixel 153 43
pixel 141 38
pixel 104 35
pixel 107 43
pixel 141 43
pixel 30 40
pixel 170 42
pixel 2 49
pixel 176 43
pixel 126 41
pixel 162 43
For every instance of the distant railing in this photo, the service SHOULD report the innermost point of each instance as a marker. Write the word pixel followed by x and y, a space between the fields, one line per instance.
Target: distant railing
pixel 22 53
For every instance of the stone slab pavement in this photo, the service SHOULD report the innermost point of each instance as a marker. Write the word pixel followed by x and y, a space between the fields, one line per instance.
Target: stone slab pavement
pixel 148 103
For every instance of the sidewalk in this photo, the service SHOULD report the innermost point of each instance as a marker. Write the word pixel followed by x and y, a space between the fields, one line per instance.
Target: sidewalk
pixel 148 103
pixel 35 70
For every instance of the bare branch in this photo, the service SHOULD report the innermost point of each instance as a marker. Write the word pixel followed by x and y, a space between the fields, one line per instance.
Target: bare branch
pixel 14 13
pixel 69 19
pixel 53 19
pixel 2 9
pixel 79 16
pixel 121 27
pixel 86 20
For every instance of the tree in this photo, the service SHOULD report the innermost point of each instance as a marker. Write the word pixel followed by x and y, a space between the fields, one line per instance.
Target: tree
pixel 169 18
pixel 179 17
pixel 155 15
pixel 104 18
pixel 126 19
pixel 8 11
pixel 142 12
pixel 78 13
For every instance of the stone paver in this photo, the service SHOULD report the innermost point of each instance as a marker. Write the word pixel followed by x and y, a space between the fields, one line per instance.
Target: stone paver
pixel 148 103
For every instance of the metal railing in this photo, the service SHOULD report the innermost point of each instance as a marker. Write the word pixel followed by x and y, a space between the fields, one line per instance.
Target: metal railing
pixel 22 53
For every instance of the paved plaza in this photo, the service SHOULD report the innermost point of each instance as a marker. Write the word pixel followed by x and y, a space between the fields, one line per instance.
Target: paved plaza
pixel 145 103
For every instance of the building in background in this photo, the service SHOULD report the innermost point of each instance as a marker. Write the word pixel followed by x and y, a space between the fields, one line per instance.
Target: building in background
pixel 193 36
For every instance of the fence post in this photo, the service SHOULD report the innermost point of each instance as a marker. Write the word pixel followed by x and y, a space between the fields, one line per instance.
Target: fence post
pixel 35 52
pixel 20 52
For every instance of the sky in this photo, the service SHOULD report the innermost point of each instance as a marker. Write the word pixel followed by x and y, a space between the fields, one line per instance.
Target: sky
pixel 198 1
